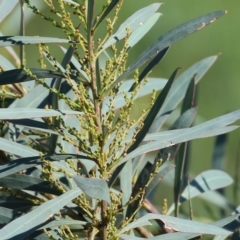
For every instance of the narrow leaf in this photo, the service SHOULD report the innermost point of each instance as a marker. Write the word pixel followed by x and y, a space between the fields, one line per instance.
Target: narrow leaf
pixel 16 148
pixel 109 8
pixel 168 39
pixel 207 181
pixel 28 162
pixel 177 224
pixel 23 40
pixel 90 11
pixel 181 235
pixel 25 225
pixel 20 181
pixel 22 113
pixel 182 135
pixel 181 158
pixel 19 75
pixel 133 22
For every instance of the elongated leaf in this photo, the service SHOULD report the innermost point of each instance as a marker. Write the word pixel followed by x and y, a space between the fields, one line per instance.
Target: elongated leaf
pixel 207 181
pixel 168 39
pixel 133 22
pixel 168 134
pixel 95 188
pixel 109 8
pixel 143 29
pixel 220 131
pixel 126 182
pixel 16 148
pixel 20 181
pixel 22 113
pixel 181 159
pixel 177 224
pixel 181 235
pixel 23 40
pixel 183 135
pixel 90 10
pixel 25 225
pixel 28 162
pixel 54 98
pixel 19 75
pixel 179 88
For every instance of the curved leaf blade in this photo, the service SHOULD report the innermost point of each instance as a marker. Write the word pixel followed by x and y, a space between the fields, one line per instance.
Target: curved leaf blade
pixel 26 224
pixel 16 148
pixel 177 224
pixel 181 235
pixel 141 31
pixel 109 8
pixel 168 39
pixel 133 22
pixel 182 135
pixel 207 181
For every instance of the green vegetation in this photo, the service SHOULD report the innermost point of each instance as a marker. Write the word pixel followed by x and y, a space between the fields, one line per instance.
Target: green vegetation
pixel 75 162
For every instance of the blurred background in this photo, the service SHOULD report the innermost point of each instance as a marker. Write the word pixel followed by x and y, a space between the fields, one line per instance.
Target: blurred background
pixel 218 91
